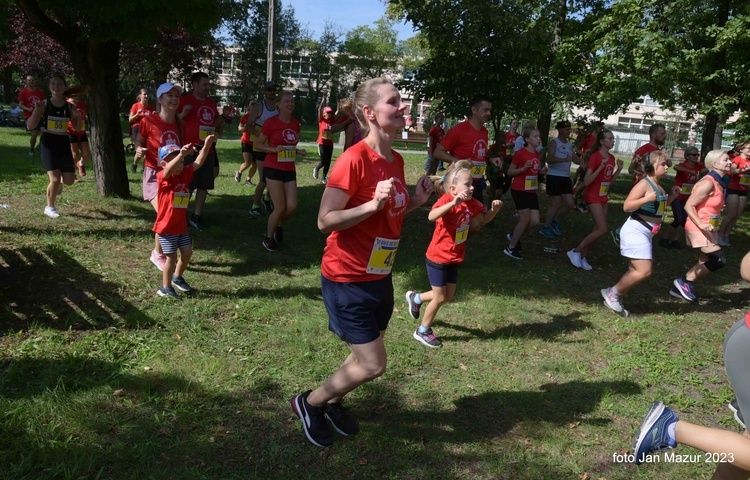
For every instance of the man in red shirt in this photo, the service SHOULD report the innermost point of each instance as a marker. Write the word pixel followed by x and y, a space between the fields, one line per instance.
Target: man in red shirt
pixel 200 119
pixel 27 98
pixel 468 141
pixel 657 135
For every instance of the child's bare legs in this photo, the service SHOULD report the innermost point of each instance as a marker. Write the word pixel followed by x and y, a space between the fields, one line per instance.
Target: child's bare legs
pixel 599 214
pixel 437 297
pixel 157 246
pixel 186 254
pixel 168 270
pixel 527 218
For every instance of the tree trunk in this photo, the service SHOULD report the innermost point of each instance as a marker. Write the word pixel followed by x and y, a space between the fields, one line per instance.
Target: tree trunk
pixel 99 69
pixel 9 89
pixel 708 136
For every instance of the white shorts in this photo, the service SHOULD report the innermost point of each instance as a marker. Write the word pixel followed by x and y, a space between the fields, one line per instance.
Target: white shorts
pixel 635 241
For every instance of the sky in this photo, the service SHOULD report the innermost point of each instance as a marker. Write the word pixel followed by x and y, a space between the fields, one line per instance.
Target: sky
pixel 345 13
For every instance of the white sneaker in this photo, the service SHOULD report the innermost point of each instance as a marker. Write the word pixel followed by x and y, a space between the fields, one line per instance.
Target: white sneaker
pixel 585 264
pixel 51 212
pixel 611 300
pixel 575 258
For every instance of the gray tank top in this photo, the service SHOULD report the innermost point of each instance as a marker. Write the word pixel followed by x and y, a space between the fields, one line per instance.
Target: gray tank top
pixel 562 150
pixel 265 114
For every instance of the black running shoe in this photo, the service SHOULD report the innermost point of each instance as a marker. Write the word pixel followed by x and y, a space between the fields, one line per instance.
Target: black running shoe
pixel 270 244
pixel 268 205
pixel 413 306
pixel 313 421
pixel 338 417
pixel 196 222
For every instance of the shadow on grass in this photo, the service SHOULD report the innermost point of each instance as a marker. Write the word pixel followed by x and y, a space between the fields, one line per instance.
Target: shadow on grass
pixel 51 288
pixel 557 326
pixel 101 419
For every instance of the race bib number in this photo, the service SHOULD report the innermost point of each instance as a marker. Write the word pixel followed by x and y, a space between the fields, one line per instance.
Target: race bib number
pixel 383 256
pixel 289 154
pixel 57 124
pixel 686 188
pixel 204 132
pixel 604 189
pixel 661 208
pixel 327 135
pixel 462 233
pixel 181 200
pixel 531 183
pixel 715 220
pixel 745 180
pixel 477 171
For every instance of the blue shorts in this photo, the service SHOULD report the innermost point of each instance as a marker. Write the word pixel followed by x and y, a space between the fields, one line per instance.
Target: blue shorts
pixel 440 274
pixel 172 243
pixel 358 311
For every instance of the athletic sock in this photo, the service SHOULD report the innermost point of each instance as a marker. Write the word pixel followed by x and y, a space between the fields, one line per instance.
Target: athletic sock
pixel 417 299
pixel 423 329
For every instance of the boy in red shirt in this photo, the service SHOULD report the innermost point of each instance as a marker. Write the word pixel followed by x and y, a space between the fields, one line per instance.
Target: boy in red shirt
pixel 452 214
pixel 171 218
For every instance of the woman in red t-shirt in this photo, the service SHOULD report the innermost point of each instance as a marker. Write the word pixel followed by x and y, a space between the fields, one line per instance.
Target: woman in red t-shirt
pixel 525 170
pixel 452 214
pixel 246 141
pixel 736 191
pixel 138 111
pixel 279 171
pixel 600 174
pixel 363 208
pixel 156 131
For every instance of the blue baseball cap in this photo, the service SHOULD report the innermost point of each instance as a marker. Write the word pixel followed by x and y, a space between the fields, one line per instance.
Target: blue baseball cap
pixel 167 150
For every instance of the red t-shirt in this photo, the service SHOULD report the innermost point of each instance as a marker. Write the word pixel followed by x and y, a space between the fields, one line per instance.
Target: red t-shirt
pixel 588 142
pixel 436 136
pixel 448 243
pixel 510 137
pixel 526 181
pixel 366 251
pixel 325 137
pixel 280 133
pixel 247 137
pixel 644 150
pixel 141 110
pixel 742 180
pixel 598 190
pixel 200 121
pixel 82 110
pixel 157 133
pixel 467 143
pixel 173 197
pixel 686 180
pixel 28 98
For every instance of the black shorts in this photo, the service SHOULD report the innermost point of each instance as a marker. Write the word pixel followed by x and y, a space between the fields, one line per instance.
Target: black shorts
pixel 259 156
pixel 525 200
pixel 358 311
pixel 557 186
pixel 441 274
pixel 678 211
pixel 78 138
pixel 279 175
pixel 247 148
pixel 204 177
pixel 56 155
pixel 739 193
pixel 26 124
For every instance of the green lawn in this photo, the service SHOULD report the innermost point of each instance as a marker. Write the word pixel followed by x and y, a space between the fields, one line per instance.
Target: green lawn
pixel 100 378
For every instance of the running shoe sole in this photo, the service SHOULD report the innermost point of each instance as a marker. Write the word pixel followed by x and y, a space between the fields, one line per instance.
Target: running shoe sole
pixel 421 340
pixel 607 303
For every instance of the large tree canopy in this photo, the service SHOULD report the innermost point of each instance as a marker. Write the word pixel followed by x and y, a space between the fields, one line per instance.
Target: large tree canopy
pixel 92 33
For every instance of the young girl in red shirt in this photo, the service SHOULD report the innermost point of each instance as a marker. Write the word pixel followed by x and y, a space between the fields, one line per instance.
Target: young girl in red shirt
pixel 600 174
pixel 452 214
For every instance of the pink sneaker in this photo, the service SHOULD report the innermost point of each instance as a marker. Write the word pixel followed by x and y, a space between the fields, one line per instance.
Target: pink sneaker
pixel 158 259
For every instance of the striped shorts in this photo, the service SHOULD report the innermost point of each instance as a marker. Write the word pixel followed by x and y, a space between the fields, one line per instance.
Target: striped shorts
pixel 170 243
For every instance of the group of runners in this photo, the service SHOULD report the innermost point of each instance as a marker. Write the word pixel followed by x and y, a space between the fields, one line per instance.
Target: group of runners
pixel 366 198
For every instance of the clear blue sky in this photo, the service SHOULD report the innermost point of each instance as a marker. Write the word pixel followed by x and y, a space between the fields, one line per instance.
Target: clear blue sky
pixel 345 13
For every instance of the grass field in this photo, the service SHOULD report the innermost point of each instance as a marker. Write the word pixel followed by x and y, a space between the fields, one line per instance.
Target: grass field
pixel 100 378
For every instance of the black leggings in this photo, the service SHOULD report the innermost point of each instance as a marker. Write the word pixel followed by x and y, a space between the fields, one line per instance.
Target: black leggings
pixel 326 153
